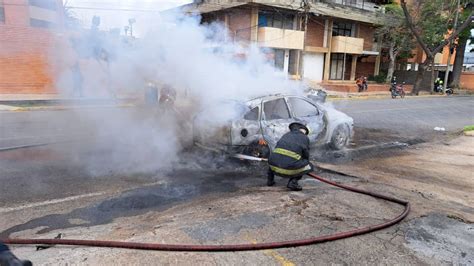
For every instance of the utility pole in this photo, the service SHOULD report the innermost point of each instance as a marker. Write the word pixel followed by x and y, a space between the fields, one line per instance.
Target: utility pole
pixel 306 8
pixel 446 75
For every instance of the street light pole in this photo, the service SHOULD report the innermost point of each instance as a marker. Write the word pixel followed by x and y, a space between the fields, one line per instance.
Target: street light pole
pixel 306 7
pixel 446 74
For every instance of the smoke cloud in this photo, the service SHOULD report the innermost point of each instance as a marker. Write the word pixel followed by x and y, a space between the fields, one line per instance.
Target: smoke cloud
pixel 197 61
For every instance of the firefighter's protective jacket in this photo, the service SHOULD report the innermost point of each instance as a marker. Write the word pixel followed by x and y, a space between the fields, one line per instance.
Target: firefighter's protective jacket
pixel 290 158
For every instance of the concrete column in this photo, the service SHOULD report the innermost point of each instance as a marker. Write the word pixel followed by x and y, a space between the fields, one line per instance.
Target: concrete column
pixel 353 67
pixel 377 65
pixel 254 24
pixel 226 24
pixel 378 58
pixel 326 33
pixel 298 58
pixel 286 61
pixel 327 59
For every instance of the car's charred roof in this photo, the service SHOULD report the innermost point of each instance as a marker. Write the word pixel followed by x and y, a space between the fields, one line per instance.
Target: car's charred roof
pixel 256 101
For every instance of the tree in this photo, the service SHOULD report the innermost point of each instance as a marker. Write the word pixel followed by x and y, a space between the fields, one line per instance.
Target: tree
pixel 464 36
pixel 430 25
pixel 71 21
pixel 395 37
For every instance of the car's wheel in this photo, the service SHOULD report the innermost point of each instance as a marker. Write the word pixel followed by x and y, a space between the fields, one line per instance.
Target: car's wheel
pixel 340 137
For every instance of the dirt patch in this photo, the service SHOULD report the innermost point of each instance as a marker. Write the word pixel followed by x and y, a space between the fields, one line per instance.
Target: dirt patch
pixel 437 179
pixel 446 239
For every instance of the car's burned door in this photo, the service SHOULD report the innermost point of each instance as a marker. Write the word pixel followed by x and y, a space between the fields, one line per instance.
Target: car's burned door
pixel 275 120
pixel 247 129
pixel 305 111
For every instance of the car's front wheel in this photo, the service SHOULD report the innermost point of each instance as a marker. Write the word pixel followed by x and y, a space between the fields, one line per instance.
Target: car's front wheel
pixel 340 137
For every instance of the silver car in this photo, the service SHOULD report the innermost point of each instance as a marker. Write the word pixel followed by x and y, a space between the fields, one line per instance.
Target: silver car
pixel 252 128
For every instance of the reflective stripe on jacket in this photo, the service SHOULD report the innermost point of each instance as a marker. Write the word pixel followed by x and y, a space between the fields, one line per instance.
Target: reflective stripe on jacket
pixel 290 158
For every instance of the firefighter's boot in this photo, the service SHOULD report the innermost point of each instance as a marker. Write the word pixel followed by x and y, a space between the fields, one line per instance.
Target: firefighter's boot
pixel 293 184
pixel 270 178
pixel 8 259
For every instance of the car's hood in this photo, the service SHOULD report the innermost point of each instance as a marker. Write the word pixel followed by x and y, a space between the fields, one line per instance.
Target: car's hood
pixel 333 115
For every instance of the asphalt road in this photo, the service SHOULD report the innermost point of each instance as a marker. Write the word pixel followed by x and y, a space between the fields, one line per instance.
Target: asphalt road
pixel 122 145
pixel 119 166
pixel 411 116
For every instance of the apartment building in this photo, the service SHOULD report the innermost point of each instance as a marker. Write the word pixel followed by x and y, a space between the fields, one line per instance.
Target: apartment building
pixel 27 30
pixel 338 45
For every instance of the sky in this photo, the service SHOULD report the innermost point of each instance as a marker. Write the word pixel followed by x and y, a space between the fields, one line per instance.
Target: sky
pixel 116 13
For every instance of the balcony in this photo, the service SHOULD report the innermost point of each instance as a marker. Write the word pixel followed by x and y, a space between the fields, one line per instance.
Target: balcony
pixel 369 5
pixel 348 45
pixel 280 38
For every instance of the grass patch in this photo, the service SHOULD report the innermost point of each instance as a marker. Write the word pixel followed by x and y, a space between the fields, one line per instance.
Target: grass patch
pixel 469 128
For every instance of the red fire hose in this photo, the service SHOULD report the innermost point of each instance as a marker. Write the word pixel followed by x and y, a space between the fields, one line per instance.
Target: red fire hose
pixel 230 247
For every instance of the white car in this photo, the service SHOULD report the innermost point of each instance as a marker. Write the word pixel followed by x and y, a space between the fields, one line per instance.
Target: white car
pixel 252 128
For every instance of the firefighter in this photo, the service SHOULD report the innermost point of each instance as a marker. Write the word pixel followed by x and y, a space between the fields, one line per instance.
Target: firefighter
pixel 8 259
pixel 290 158
pixel 167 97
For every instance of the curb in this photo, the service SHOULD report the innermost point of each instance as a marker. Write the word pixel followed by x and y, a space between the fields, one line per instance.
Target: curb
pixel 387 96
pixel 61 108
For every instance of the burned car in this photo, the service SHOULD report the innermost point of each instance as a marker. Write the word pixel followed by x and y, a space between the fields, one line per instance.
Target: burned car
pixel 252 128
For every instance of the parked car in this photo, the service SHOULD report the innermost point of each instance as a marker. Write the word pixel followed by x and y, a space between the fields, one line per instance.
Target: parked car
pixel 252 128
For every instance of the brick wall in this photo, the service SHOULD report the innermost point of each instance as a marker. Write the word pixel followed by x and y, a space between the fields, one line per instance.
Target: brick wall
pixel 24 60
pixel 467 81
pixel 366 32
pixel 315 33
pixel 365 66
pixel 239 24
pixel 24 53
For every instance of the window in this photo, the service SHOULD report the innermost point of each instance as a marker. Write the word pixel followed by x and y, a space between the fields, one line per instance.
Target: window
pixel 2 12
pixel 302 108
pixel 279 59
pixel 41 23
pixel 275 20
pixel 276 109
pixel 252 114
pixel 342 29
pixel 337 66
pixel 48 4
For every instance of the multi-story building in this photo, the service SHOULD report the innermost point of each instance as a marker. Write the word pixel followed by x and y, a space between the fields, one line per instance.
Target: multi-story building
pixel 338 45
pixel 27 30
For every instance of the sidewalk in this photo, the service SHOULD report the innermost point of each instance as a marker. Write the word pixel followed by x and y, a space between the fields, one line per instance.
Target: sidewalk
pixel 31 102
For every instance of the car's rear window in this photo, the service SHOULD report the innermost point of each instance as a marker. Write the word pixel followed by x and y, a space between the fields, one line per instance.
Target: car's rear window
pixel 276 109
pixel 252 114
pixel 302 108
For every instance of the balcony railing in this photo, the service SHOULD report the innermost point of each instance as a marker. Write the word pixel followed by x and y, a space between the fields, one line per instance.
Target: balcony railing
pixel 280 38
pixel 371 5
pixel 348 45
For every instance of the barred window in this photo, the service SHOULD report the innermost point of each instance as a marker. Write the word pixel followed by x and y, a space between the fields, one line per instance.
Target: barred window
pixel 47 4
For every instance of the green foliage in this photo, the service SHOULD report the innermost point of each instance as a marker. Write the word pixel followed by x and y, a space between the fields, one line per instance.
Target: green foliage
pixel 380 78
pixel 436 19
pixel 469 128
pixel 395 32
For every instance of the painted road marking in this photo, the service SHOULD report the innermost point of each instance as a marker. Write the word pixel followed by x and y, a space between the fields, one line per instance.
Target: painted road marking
pixel 48 202
pixel 272 253
pixel 400 109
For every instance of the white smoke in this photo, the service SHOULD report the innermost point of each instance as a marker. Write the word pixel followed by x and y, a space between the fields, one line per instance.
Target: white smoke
pixel 176 50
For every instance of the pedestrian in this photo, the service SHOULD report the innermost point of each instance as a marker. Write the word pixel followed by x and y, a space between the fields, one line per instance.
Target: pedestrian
pixel 290 158
pixel 438 85
pixel 365 85
pixel 77 80
pixel 7 258
pixel 167 97
pixel 359 82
